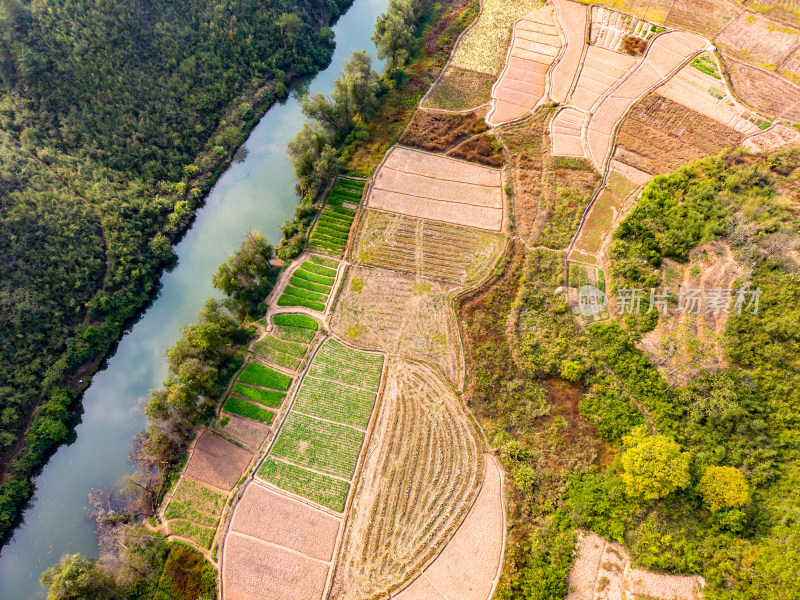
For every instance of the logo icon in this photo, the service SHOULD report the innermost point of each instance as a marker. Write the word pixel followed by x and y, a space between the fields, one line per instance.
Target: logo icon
pixel 591 301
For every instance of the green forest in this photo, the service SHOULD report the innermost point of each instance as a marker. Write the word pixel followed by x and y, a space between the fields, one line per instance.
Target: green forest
pixel 115 119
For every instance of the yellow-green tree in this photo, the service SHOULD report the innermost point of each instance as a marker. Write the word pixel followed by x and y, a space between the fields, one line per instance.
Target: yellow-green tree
pixel 653 465
pixel 724 487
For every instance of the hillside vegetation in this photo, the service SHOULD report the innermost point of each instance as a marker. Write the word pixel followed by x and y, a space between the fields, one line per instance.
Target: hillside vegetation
pixel 115 119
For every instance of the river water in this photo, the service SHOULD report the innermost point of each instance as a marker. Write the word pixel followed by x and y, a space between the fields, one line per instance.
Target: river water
pixel 257 193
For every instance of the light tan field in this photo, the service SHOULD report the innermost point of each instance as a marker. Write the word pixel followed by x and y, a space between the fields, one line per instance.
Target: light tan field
pixel 247 432
pixel 217 462
pixel 427 249
pixel 423 469
pixel 566 130
pixel 523 84
pixel 397 313
pixel 430 186
pixel 764 91
pixel 778 135
pixel 757 40
pixel 572 17
pixel 468 566
pixel 601 70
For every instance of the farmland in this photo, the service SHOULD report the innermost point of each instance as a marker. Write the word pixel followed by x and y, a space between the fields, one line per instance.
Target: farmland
pixel 606 210
pixel 217 462
pixel 310 284
pixel 287 343
pixel 423 470
pixel 255 396
pixel 428 249
pixel 331 229
pixel 194 511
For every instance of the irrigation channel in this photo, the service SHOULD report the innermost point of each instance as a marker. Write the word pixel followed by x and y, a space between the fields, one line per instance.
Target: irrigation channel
pixel 256 193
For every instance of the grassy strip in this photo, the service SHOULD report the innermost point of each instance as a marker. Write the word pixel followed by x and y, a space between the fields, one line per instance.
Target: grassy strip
pixel 331 233
pixel 285 346
pixel 313 277
pixel 325 262
pixel 270 398
pixel 258 374
pixel 289 300
pixel 341 210
pixel 302 321
pixel 307 285
pixel 243 408
pixel 279 358
pixel 318 270
pixel 314 486
pixel 301 293
pixel 294 334
pixel 202 536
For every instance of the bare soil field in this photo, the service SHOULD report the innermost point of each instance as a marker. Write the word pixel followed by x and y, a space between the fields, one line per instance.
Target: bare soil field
pixel 217 462
pixel 632 173
pixel 428 249
pixel 791 66
pixel 683 344
pixel 479 148
pixel 423 469
pixel 572 17
pixel 660 135
pixel 566 131
pixel 399 313
pixel 776 136
pixel 247 432
pixel 707 95
pixel 437 132
pixel 787 11
pixel 604 213
pixel 469 564
pixel 667 52
pixel 460 89
pixel 758 41
pixel 706 17
pixel 602 572
pixel 272 517
pixel 435 187
pixel 763 91
pixel 255 570
pixel 601 69
pixel 535 45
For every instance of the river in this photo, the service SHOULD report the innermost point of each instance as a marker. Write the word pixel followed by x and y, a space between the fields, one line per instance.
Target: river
pixel 257 193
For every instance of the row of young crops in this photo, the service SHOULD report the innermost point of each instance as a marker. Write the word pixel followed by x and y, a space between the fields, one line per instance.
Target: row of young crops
pixel 310 284
pixel 333 226
pixel 316 451
pixel 194 512
pixel 288 342
pixel 257 393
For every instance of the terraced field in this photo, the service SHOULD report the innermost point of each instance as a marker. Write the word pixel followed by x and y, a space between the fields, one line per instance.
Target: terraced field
pixel 258 391
pixel 318 446
pixel 310 284
pixel 423 470
pixel 332 228
pixel 288 342
pixel 428 249
pixel 194 512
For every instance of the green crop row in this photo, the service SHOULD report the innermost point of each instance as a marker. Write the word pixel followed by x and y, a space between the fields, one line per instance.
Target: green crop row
pixel 294 334
pixel 334 401
pixel 337 362
pixel 313 277
pixel 354 183
pixel 301 293
pixel 325 262
pixel 301 321
pixel 318 270
pixel 243 408
pixel 271 398
pixel 289 300
pixel 308 285
pixel 319 488
pixel 285 346
pixel 341 210
pixel 200 497
pixel 258 374
pixel 334 225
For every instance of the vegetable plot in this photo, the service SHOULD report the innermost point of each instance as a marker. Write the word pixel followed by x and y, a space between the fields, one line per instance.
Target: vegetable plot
pixel 333 226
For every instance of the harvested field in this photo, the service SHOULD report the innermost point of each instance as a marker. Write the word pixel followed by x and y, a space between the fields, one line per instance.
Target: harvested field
pixel 706 17
pixel 787 11
pixel 660 135
pixel 253 569
pixel 429 186
pixel 480 149
pixel 467 567
pixel 605 211
pixel 438 132
pixel 194 511
pixel 699 87
pixel 601 69
pixel 423 469
pixel 290 523
pixel 566 132
pixel 250 434
pixel 763 91
pixel 217 462
pixel 776 136
pixel 758 41
pixel 428 249
pixel 535 45
pixel 398 313
pixel 483 47
pixel 791 66
pixel 667 52
pixel 572 17
pixel 602 570
pixel 460 89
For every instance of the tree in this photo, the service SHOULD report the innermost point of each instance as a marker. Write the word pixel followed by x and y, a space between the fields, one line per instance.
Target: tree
pixel 314 159
pixel 724 487
pixel 247 276
pixel 653 465
pixel 394 33
pixel 76 578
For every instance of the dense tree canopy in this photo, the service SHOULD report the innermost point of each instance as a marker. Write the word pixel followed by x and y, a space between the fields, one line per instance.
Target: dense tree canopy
pixel 653 465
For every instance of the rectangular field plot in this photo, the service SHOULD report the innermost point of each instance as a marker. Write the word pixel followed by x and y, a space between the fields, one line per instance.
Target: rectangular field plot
pixel 217 462
pixel 286 344
pixel 335 401
pixel 429 186
pixel 249 410
pixel 317 487
pixel 270 398
pixel 757 40
pixel 194 512
pixel 319 445
pixel 429 249
pixel 258 374
pixel 337 362
pixel 333 226
pixel 310 284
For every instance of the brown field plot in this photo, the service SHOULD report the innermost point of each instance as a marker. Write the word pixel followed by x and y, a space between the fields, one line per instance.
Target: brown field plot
pixel 423 469
pixel 479 148
pixel 427 249
pixel 430 186
pixel 467 567
pixel 758 41
pixel 605 211
pixel 659 135
pixel 791 67
pixel 764 91
pixel 460 89
pixel 601 69
pixel 396 312
pixel 438 132
pixel 523 84
pixel 572 17
pixel 787 11
pixel 217 462
pixel 706 17
pixel 247 432
pixel 566 131
pixel 776 136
